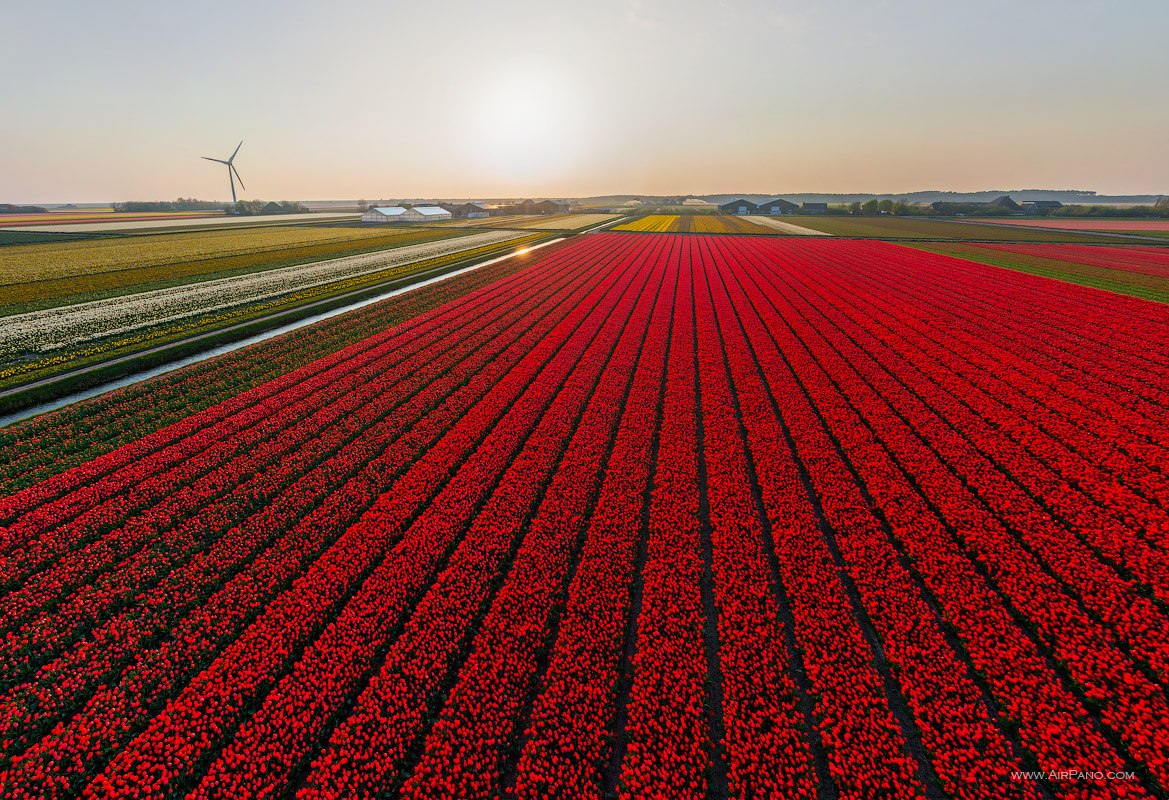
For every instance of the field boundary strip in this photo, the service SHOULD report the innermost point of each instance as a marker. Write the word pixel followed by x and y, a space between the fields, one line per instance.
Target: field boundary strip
pixel 1047 261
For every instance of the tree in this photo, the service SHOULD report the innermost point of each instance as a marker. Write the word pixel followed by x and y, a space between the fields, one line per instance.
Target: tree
pixel 886 206
pixel 871 207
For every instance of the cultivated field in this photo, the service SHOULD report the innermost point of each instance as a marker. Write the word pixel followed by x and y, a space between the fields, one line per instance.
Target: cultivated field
pixel 109 223
pixel 51 271
pixel 921 228
pixel 652 516
pixel 653 223
pixel 782 226
pixel 567 222
pixel 551 222
pixel 691 223
pixel 1154 227
pixel 1133 270
pixel 38 448
pixel 34 344
pixel 54 218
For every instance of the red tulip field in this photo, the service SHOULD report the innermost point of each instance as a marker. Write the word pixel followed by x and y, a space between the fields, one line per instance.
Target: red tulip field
pixel 655 516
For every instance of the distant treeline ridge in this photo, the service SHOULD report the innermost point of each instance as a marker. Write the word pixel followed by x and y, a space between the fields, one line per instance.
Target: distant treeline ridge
pixel 242 207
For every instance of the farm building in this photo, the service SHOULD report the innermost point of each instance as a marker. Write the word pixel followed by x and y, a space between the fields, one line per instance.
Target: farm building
pixel 814 208
pixel 531 207
pixel 778 206
pixel 402 214
pixel 384 214
pixel 1039 206
pixel 1005 202
pixel 469 211
pixel 426 214
pixel 739 206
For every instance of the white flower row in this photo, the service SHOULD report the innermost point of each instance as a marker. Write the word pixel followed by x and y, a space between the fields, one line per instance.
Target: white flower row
pixel 69 326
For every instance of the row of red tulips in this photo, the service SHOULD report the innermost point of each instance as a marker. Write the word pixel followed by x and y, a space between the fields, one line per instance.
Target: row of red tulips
pixel 465 751
pixel 667 734
pixel 568 743
pixel 766 755
pixel 946 706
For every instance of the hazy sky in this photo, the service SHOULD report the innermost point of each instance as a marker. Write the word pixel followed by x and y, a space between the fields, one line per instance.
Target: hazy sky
pixel 117 100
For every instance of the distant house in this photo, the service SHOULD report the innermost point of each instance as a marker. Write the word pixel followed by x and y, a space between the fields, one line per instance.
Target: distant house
pixel 550 207
pixel 1005 203
pixel 693 201
pixel 1039 206
pixel 814 208
pixel 778 206
pixel 739 206
pixel 469 211
pixel 532 207
pixel 384 214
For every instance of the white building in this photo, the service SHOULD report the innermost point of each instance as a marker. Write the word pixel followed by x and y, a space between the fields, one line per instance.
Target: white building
pixel 384 214
pixel 401 214
pixel 426 214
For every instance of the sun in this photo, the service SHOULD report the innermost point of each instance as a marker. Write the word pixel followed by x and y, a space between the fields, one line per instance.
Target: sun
pixel 523 124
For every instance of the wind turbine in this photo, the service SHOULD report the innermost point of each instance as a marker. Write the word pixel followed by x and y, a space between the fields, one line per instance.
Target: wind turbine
pixel 232 172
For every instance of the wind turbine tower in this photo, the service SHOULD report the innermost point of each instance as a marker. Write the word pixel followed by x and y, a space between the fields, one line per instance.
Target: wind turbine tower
pixel 232 172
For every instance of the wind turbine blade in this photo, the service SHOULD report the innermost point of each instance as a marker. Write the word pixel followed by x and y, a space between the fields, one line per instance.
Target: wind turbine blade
pixel 237 147
pixel 216 160
pixel 236 171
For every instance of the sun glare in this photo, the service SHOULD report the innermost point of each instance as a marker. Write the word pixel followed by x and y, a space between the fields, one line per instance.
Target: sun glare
pixel 523 124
